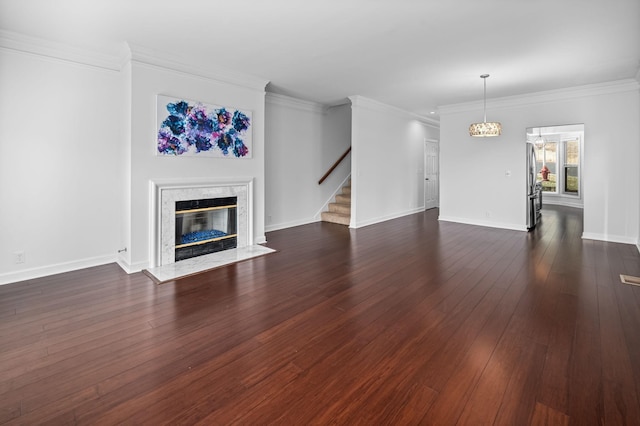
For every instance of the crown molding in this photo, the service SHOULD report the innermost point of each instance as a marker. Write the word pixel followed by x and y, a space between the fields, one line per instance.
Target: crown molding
pixel 51 49
pixel 611 87
pixel 427 121
pixel 128 53
pixel 159 59
pixel 295 103
pixel 340 102
pixel 362 102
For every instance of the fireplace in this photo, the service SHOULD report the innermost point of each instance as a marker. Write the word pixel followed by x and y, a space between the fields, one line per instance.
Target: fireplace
pixel 191 217
pixel 205 226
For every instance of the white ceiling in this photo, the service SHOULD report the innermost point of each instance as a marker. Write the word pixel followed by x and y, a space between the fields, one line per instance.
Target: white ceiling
pixel 413 54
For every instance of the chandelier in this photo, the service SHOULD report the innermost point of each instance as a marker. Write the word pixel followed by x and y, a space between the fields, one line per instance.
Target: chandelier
pixel 484 129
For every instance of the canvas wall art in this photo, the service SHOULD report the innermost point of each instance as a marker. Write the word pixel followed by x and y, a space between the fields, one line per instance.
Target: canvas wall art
pixel 190 128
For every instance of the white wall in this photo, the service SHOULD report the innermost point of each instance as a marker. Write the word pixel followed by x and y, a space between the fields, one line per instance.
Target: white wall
pixel 303 139
pixel 387 161
pixel 78 140
pixel 475 189
pixel 638 237
pixel 150 76
pixel 474 183
pixel 125 166
pixel 59 167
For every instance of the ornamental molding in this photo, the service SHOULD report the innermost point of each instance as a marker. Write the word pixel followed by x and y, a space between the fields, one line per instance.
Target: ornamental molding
pixel 127 53
pixel 612 87
pixel 295 103
pixel 51 49
pixel 373 105
pixel 186 65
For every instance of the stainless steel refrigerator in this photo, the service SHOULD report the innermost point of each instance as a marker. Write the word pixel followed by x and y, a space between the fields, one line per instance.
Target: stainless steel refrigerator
pixel 534 189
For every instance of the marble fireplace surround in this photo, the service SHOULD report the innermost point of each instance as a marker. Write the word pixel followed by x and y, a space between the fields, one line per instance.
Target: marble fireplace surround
pixel 165 193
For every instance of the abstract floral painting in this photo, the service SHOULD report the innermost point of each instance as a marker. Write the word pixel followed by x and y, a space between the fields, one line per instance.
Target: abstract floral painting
pixel 194 128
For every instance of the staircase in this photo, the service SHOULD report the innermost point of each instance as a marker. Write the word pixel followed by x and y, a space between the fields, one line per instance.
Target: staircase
pixel 340 211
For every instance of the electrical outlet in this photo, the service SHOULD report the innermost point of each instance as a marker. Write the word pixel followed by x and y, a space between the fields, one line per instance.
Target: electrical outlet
pixel 18 257
pixel 487 214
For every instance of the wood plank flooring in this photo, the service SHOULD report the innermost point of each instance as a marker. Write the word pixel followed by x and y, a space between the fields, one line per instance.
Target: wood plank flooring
pixel 411 321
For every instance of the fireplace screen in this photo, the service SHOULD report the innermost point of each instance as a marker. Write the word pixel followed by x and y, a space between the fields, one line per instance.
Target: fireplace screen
pixel 205 226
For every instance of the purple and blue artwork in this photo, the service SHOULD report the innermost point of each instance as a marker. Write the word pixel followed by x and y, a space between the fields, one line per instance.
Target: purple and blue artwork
pixel 194 128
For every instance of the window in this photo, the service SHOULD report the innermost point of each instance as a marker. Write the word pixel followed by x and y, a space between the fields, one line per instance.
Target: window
pixel 558 164
pixel 547 162
pixel 571 164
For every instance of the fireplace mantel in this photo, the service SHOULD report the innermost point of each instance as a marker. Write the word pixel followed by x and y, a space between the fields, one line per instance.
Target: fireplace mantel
pixel 164 194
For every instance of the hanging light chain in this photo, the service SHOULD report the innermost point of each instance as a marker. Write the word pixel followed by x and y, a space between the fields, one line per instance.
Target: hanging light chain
pixel 484 78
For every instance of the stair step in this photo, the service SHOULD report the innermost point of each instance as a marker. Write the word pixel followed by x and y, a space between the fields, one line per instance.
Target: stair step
pixel 340 210
pixel 343 198
pixel 344 208
pixel 338 218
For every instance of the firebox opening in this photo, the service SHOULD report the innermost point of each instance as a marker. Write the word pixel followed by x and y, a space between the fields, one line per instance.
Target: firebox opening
pixel 205 226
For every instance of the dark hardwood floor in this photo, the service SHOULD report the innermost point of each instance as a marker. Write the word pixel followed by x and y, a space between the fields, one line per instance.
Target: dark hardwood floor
pixel 411 321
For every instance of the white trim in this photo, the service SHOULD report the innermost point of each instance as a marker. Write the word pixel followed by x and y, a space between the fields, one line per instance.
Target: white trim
pixel 465 221
pixel 560 200
pixel 291 224
pixel 294 103
pixel 608 238
pixel 370 104
pixel 387 217
pixel 131 268
pixel 59 268
pixel 345 101
pixel 148 56
pixel 128 53
pixel 42 47
pixel 620 86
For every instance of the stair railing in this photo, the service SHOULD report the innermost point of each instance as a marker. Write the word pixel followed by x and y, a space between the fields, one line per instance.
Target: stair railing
pixel 326 175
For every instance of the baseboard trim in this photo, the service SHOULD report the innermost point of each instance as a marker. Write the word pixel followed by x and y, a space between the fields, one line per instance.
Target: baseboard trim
pixel 499 225
pixel 60 268
pixel 386 218
pixel 132 268
pixel 284 225
pixel 563 202
pixel 610 238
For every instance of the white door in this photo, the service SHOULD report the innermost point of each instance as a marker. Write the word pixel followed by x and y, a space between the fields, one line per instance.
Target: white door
pixel 431 186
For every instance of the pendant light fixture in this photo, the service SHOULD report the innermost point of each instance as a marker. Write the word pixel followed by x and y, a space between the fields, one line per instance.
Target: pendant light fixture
pixel 484 129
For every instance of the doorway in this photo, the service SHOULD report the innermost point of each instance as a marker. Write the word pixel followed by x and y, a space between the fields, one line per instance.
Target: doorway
pixel 559 161
pixel 431 179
